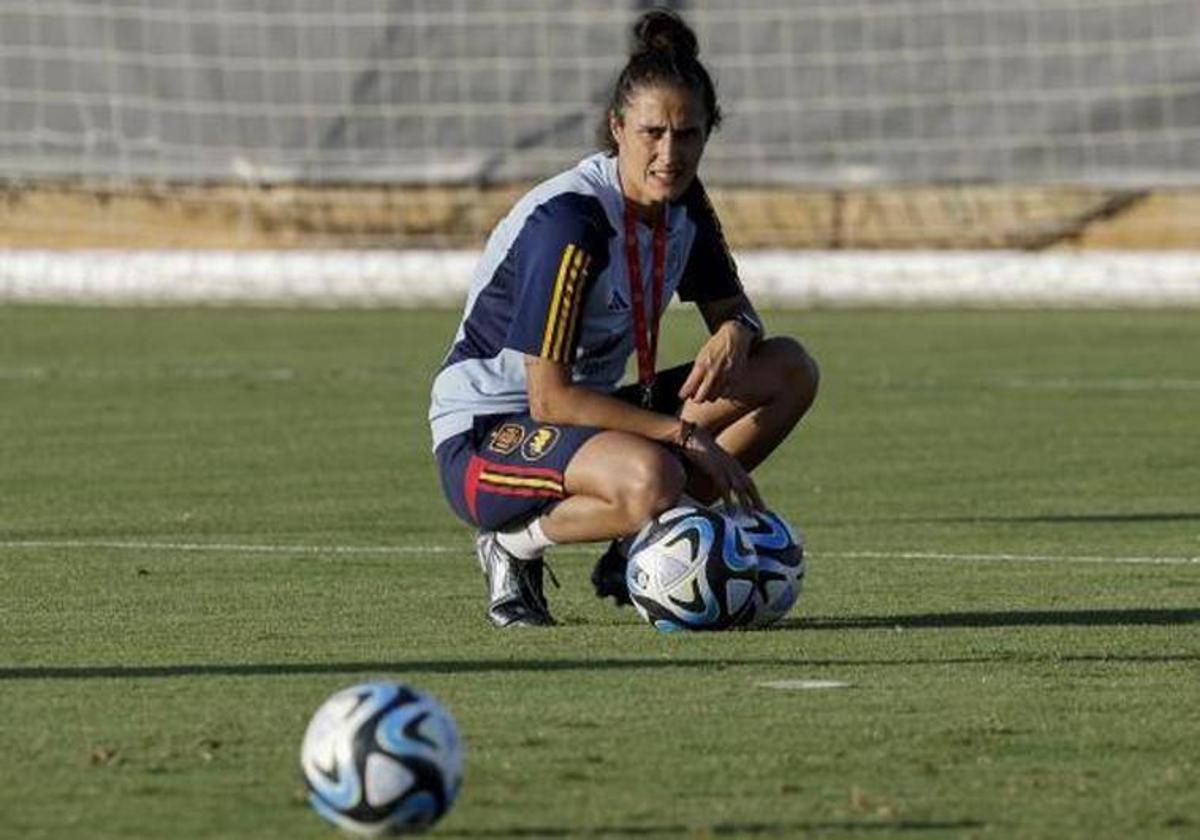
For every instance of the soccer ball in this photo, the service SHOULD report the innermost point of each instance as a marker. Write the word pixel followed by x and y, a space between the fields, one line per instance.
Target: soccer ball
pixel 691 568
pixel 381 758
pixel 781 566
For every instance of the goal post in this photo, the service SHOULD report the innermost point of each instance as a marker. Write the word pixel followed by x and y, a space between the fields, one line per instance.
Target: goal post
pixel 365 132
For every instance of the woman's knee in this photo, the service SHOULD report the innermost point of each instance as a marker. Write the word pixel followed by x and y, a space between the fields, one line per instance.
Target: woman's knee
pixel 649 484
pixel 794 372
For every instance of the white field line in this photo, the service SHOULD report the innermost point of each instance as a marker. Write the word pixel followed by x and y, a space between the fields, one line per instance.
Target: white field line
pixel 465 549
pixel 234 548
pixel 1010 558
pixel 803 685
pixel 289 375
pixel 1124 384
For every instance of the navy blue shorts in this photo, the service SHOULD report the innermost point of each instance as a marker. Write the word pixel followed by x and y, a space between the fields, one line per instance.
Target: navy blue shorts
pixel 509 468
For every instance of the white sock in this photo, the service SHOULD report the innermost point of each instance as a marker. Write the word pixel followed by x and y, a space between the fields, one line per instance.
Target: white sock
pixel 527 542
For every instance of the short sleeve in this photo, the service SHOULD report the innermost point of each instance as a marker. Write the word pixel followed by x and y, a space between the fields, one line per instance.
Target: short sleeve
pixel 710 272
pixel 562 247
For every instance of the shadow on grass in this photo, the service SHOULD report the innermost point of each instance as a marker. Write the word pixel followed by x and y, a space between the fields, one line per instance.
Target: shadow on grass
pixel 1132 617
pixel 739 829
pixel 489 666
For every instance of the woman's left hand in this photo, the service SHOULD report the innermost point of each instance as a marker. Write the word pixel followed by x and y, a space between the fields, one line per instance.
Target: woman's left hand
pixel 729 478
pixel 719 364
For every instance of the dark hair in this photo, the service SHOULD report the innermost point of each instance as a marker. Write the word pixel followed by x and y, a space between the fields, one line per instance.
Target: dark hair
pixel 664 51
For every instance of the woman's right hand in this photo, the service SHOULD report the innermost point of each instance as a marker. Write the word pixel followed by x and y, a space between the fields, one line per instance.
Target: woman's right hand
pixel 729 477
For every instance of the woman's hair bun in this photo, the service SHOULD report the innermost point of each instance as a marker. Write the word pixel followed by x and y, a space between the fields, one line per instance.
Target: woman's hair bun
pixel 664 52
pixel 660 30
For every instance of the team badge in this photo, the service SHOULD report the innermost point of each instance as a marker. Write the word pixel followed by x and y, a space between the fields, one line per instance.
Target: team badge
pixel 540 442
pixel 506 438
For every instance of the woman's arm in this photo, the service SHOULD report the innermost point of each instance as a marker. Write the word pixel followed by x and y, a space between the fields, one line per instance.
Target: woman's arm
pixel 735 328
pixel 553 398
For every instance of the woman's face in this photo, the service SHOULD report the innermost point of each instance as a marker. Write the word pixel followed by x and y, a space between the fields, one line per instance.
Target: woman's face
pixel 660 140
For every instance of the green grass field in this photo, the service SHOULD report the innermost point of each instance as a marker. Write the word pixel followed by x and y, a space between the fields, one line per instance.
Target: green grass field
pixel 210 520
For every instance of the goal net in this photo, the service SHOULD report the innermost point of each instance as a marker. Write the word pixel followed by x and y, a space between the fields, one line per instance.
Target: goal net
pixel 343 145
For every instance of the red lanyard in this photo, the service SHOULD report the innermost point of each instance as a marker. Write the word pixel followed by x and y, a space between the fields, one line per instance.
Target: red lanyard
pixel 646 336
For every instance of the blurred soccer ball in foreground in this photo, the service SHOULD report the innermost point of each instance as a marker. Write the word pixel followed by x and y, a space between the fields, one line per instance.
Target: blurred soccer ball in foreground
pixel 381 758
pixel 691 568
pixel 781 567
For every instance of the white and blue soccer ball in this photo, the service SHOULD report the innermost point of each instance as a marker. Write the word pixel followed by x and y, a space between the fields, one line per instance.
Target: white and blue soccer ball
pixel 382 758
pixel 691 568
pixel 781 566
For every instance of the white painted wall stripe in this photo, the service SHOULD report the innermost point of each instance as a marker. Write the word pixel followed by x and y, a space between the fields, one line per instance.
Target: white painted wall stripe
pixel 330 278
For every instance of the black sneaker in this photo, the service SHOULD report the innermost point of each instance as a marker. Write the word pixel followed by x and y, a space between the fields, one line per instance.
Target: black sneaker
pixel 608 577
pixel 515 597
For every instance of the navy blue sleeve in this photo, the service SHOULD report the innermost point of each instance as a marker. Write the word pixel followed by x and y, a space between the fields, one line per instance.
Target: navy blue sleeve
pixel 562 247
pixel 710 272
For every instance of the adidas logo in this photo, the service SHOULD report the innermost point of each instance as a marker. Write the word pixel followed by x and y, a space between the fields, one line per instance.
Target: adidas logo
pixel 616 302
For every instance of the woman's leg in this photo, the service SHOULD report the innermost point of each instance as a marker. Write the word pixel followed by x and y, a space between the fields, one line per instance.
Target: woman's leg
pixel 614 483
pixel 598 484
pixel 773 395
pixel 775 392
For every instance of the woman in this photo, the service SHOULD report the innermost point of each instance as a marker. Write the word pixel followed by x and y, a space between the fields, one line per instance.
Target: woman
pixel 535 442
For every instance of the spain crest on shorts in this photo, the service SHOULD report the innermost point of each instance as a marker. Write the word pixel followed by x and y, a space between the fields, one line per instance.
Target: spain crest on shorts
pixel 506 438
pixel 541 441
